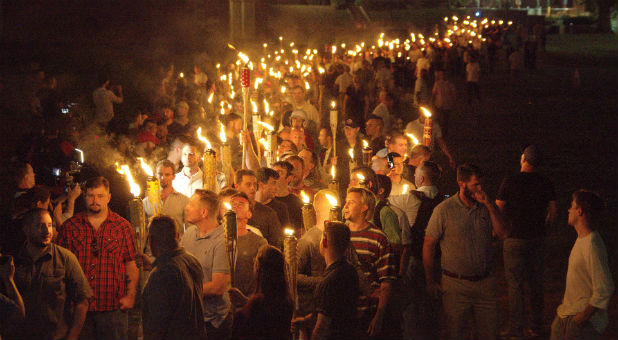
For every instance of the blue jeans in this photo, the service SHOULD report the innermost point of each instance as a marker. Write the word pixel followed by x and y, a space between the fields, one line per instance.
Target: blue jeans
pixel 106 325
pixel 523 262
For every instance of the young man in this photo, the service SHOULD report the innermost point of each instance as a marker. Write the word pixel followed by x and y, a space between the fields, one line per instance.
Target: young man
pixel 398 182
pixel 312 172
pixel 172 306
pixel 296 184
pixel 263 217
pixel 416 128
pixel 294 204
pixel 376 257
pixel 206 241
pixel 172 202
pixel 50 280
pixel 266 192
pixel 104 245
pixel 464 226
pixel 190 177
pixel 589 284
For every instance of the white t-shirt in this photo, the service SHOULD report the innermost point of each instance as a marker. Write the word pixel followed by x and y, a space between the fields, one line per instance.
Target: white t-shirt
pixel 588 281
pixel 187 185
pixel 344 81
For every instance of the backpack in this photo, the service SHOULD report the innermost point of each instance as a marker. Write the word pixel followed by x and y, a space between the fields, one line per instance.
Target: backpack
pixel 422 219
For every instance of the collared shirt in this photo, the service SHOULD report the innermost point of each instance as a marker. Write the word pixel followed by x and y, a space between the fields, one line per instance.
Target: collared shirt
pixel 173 206
pixel 102 253
pixel 465 236
pixel 49 285
pixel 410 204
pixel 210 252
pixel 172 298
pixel 186 185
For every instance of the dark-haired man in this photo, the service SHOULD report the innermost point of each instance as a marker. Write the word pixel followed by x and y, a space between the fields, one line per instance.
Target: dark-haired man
pixel 172 306
pixel 528 202
pixel 464 226
pixel 172 202
pixel 104 245
pixel 104 100
pixel 51 282
pixel 266 192
pixel 294 204
pixel 589 284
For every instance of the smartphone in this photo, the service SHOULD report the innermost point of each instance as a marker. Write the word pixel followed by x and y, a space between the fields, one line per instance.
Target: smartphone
pixel 389 159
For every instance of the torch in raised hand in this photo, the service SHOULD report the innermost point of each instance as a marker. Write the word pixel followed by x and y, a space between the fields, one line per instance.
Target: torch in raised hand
pixel 245 81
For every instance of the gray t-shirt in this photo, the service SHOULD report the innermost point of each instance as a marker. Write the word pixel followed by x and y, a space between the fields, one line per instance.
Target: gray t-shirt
pixel 210 252
pixel 465 236
pixel 247 248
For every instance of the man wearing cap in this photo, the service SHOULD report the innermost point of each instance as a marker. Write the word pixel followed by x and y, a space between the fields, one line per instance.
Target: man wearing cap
pixel 298 134
pixel 528 202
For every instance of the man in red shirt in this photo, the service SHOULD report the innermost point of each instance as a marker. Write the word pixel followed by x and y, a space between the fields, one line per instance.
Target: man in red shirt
pixel 104 245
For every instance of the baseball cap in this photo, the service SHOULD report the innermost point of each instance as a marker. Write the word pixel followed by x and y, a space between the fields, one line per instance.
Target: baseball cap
pixel 351 123
pixel 298 114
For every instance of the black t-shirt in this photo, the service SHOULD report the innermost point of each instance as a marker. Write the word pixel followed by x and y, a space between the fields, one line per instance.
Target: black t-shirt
pixel 282 211
pixel 527 195
pixel 266 219
pixel 336 297
pixel 294 205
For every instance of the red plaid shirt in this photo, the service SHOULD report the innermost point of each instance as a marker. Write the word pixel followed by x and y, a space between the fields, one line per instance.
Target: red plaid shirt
pixel 102 254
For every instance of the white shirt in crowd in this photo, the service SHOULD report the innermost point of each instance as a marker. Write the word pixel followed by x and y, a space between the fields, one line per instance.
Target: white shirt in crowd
pixel 187 185
pixel 310 111
pixel 104 104
pixel 344 81
pixel 382 111
pixel 588 281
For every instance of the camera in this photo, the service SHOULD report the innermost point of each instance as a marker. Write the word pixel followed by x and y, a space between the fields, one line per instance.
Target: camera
pixel 389 159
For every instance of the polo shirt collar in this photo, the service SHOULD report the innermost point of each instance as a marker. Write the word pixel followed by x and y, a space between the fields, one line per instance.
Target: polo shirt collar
pixel 463 205
pixel 214 233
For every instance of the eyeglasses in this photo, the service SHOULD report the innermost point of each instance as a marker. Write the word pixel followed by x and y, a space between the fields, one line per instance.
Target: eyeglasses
pixel 95 248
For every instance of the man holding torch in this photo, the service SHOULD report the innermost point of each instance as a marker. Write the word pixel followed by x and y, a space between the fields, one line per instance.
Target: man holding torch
pixel 206 241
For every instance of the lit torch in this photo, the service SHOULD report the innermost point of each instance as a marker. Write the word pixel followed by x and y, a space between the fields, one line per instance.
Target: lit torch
pixel 367 153
pixel 231 238
pixel 333 125
pixel 289 252
pixel 245 81
pixel 209 171
pixel 226 154
pixel 153 190
pixel 414 139
pixel 353 163
pixel 309 218
pixel 335 210
pixel 428 126
pixel 333 184
pixel 362 181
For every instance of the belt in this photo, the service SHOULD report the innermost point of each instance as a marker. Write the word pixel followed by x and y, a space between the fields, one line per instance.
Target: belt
pixel 473 278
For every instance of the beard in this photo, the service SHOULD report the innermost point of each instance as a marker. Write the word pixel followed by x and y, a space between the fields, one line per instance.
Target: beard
pixel 469 194
pixel 94 209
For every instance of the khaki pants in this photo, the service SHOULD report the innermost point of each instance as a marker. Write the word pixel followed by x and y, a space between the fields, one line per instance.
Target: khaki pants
pixel 462 299
pixel 566 328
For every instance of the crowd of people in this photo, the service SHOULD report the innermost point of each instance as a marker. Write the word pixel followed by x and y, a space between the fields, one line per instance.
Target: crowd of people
pixel 386 253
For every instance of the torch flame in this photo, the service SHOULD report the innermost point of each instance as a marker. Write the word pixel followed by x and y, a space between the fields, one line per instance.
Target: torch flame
pixel 266 107
pixel 222 135
pixel 334 49
pixel 332 171
pixel 134 188
pixel 414 140
pixel 333 104
pixel 304 196
pixel 360 177
pixel 288 232
pixel 267 126
pixel 182 75
pixel 210 97
pixel 264 143
pixel 351 152
pixel 426 112
pixel 227 206
pixel 405 189
pixel 254 107
pixel 147 169
pixel 332 200
pixel 203 139
pixel 243 57
pixel 365 144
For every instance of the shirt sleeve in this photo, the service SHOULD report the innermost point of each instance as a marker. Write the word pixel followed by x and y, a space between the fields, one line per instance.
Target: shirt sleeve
pixel 390 225
pixel 220 263
pixel 128 252
pixel 386 266
pixel 114 98
pixel 435 226
pixel 602 283
pixel 78 288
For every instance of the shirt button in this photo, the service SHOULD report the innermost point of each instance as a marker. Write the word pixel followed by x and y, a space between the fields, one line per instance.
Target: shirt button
pixel 91 277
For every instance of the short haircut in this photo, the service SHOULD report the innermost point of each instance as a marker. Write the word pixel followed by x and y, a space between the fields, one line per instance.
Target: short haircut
pixel 96 182
pixel 241 173
pixel 431 169
pixel 209 199
pixel 396 135
pixel 29 199
pixel 418 150
pixel 590 203
pixel 227 119
pixel 393 155
pixel 328 131
pixel 162 231
pixel 532 155
pixel 384 182
pixel 166 163
pixel 33 217
pixel 295 158
pixel 337 236
pixel 264 174
pixel 466 171
pixel 20 169
pixel 367 198
pixel 293 147
pixel 378 118
pixel 314 156
pixel 228 192
pixel 286 165
pixel 244 196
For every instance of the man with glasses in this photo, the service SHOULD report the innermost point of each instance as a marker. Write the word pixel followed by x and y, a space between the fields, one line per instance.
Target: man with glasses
pixel 104 245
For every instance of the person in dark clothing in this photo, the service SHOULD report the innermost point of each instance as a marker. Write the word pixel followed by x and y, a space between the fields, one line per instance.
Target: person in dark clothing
pixel 284 195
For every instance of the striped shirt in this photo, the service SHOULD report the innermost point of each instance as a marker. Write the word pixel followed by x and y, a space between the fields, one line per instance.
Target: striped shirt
pixel 376 258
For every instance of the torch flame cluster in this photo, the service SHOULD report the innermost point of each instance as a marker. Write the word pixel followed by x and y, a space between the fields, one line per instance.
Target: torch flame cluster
pixel 134 187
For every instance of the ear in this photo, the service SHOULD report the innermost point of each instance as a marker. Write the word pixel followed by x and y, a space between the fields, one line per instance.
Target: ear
pixel 249 214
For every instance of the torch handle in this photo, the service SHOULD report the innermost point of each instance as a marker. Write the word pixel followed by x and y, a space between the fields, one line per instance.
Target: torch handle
pixel 245 98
